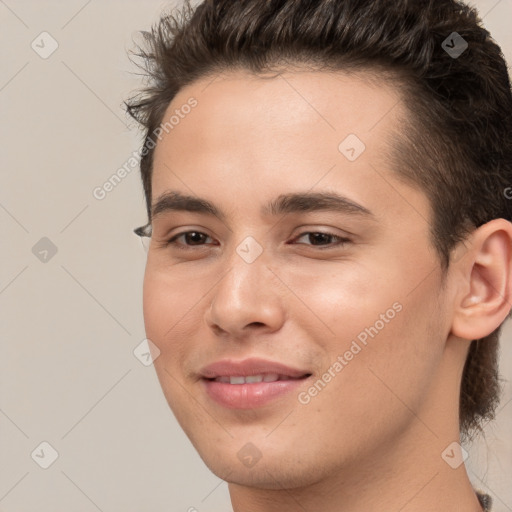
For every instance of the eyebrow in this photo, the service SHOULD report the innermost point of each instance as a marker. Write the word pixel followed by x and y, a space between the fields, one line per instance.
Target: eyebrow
pixel 284 204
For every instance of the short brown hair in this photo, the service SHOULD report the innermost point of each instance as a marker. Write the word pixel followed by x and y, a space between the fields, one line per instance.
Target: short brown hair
pixel 456 144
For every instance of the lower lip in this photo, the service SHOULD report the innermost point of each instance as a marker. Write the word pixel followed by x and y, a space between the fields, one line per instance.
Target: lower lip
pixel 249 396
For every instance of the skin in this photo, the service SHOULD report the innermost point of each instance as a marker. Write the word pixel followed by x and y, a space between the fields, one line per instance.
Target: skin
pixel 372 439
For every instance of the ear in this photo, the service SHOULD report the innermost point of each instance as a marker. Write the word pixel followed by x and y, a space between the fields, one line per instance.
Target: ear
pixel 485 272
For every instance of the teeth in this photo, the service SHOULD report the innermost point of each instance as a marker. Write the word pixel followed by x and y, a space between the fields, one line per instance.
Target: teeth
pixel 268 377
pixel 253 378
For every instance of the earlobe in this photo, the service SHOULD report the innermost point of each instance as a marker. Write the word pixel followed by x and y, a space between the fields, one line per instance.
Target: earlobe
pixel 486 288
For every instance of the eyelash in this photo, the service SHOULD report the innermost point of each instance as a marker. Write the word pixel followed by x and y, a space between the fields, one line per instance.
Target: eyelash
pixel 341 240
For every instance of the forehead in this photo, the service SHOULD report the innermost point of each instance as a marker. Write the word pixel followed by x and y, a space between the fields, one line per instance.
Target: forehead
pixel 299 101
pixel 256 136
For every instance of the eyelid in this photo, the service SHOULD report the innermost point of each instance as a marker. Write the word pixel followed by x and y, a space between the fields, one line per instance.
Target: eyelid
pixel 342 240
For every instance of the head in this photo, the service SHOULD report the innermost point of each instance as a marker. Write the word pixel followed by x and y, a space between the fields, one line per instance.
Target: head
pixel 351 97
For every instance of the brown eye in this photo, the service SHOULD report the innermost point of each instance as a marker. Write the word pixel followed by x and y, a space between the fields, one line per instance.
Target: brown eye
pixel 321 239
pixel 191 238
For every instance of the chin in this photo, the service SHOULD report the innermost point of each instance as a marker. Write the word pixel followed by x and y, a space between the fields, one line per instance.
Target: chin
pixel 270 472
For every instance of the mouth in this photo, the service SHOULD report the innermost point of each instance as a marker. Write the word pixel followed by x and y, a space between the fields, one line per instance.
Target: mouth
pixel 254 379
pixel 251 384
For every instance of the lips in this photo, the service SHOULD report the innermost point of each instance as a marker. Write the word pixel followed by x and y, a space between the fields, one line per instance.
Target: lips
pixel 250 383
pixel 249 379
pixel 250 367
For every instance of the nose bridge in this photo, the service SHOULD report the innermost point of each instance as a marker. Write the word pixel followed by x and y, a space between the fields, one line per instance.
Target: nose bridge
pixel 245 294
pixel 246 268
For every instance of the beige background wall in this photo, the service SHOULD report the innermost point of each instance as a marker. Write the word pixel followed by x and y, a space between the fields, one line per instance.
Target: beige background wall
pixel 69 325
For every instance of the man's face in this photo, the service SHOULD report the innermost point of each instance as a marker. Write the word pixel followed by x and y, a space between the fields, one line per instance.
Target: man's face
pixel 362 321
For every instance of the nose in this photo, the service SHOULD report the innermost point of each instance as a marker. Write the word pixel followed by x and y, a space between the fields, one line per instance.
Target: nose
pixel 247 300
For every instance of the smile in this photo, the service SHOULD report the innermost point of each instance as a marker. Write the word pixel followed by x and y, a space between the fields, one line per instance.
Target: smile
pixel 249 379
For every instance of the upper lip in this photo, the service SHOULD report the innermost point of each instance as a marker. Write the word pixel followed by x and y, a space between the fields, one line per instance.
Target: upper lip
pixel 252 366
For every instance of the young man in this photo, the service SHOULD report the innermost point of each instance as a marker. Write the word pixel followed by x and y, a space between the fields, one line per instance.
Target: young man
pixel 330 255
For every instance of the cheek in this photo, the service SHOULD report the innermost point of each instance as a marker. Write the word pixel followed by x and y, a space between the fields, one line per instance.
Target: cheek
pixel 165 308
pixel 169 298
pixel 162 312
pixel 382 378
pixel 401 350
pixel 342 298
pixel 374 319
pixel 157 305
